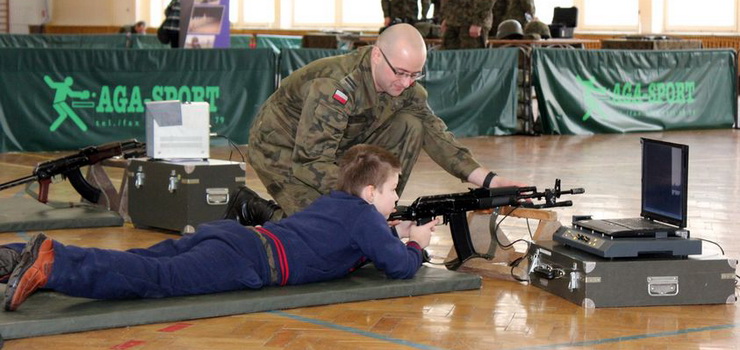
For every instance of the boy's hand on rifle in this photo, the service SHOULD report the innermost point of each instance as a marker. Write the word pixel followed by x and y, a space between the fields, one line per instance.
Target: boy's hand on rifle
pixel 422 234
pixel 403 228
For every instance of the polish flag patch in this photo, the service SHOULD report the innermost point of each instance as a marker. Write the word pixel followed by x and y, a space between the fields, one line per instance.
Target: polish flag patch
pixel 341 97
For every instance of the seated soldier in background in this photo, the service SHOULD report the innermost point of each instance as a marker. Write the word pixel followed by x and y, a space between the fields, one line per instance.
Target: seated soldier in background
pixel 138 28
pixel 334 236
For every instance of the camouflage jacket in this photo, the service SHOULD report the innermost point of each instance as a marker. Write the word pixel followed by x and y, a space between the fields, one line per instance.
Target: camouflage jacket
pixel 401 8
pixel 331 104
pixel 468 12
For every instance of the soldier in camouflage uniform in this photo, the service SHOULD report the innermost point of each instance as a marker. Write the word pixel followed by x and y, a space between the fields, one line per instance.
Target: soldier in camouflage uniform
pixel 520 10
pixel 401 11
pixel 466 23
pixel 367 96
pixel 499 15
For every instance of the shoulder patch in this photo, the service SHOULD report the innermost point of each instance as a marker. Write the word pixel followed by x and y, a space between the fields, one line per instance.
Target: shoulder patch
pixel 340 96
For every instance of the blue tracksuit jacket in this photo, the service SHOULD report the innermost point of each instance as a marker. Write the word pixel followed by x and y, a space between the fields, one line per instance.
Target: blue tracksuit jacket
pixel 327 240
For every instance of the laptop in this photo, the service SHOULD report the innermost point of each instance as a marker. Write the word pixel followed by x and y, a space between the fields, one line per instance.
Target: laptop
pixel 665 174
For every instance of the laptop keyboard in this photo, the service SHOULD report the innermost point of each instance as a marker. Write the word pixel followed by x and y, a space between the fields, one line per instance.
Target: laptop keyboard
pixel 637 223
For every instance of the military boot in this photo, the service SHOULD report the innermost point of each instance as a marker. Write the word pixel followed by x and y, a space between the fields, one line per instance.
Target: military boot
pixel 249 208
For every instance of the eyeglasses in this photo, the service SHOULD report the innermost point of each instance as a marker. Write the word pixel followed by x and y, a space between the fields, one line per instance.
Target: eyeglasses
pixel 400 74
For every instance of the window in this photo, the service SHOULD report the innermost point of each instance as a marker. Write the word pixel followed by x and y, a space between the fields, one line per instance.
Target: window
pixel 314 13
pixel 712 15
pixel 363 13
pixel 256 13
pixel 659 16
pixel 608 15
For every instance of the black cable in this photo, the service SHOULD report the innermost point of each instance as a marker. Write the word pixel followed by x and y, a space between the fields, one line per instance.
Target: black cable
pixel 514 264
pixel 233 147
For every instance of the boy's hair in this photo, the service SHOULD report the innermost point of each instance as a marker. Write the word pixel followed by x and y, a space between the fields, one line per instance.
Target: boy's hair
pixel 364 165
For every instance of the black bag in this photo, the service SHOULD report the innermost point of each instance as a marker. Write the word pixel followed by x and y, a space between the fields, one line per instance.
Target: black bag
pixel 163 35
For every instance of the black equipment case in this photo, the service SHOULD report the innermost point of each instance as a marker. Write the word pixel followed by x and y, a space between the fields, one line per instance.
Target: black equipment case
pixel 592 281
pixel 179 195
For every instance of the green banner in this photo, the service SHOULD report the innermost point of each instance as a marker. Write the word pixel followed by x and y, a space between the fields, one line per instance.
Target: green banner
pixel 101 41
pixel 104 41
pixel 61 99
pixel 473 91
pixel 278 42
pixel 620 91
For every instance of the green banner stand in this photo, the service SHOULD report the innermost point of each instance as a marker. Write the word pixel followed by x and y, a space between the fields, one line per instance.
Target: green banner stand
pixel 92 41
pixel 620 91
pixel 63 99
pixel 278 42
pixel 291 59
pixel 474 91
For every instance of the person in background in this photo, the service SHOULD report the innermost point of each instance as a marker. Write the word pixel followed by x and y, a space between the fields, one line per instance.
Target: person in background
pixel 137 28
pixel 466 24
pixel 400 11
pixel 170 28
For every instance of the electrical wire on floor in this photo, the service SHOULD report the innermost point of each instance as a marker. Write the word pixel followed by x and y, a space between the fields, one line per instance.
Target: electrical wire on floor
pixel 494 227
pixel 233 146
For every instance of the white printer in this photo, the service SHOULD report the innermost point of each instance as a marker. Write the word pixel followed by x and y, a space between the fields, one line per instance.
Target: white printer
pixel 176 130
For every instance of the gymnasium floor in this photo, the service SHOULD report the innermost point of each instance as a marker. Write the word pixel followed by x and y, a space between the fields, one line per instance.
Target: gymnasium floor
pixel 503 314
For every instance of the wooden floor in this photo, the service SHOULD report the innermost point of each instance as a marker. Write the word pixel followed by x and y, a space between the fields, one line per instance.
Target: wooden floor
pixel 503 314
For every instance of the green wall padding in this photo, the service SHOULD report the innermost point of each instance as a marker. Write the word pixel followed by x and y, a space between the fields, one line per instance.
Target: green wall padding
pixel 61 99
pixel 621 91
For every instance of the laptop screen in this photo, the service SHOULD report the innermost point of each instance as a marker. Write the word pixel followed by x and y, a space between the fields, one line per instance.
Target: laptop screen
pixel 665 174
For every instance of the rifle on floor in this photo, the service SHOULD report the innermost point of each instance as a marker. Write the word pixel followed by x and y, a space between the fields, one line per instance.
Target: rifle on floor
pixel 453 207
pixel 69 167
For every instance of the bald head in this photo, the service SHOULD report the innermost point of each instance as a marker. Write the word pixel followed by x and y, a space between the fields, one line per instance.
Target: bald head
pixel 398 59
pixel 403 40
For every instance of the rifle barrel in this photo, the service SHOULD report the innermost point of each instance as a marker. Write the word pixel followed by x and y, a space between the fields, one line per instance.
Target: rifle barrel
pixel 18 182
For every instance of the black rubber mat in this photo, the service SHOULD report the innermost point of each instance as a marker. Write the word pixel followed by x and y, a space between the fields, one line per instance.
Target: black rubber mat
pixel 47 312
pixel 28 214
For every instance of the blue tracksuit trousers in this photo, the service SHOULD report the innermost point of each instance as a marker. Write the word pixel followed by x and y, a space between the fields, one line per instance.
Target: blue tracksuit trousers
pixel 222 256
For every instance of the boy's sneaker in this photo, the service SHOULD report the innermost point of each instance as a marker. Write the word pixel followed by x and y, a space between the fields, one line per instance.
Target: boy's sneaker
pixel 8 261
pixel 31 273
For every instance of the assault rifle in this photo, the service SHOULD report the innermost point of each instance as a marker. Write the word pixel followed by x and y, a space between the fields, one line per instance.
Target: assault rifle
pixel 69 167
pixel 452 207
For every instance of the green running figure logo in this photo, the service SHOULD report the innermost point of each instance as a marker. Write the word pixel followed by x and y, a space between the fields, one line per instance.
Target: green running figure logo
pixel 63 90
pixel 590 96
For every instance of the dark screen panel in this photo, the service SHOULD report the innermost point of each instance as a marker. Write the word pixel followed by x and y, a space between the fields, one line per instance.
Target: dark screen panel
pixel 665 181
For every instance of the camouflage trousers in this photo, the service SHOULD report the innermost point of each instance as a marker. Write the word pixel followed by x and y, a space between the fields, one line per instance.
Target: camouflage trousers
pixel 458 37
pixel 402 135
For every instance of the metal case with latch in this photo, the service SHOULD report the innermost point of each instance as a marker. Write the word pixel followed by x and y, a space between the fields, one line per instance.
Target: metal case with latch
pixel 592 281
pixel 179 195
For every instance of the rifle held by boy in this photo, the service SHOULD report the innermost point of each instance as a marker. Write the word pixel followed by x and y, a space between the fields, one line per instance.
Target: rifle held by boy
pixel 453 207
